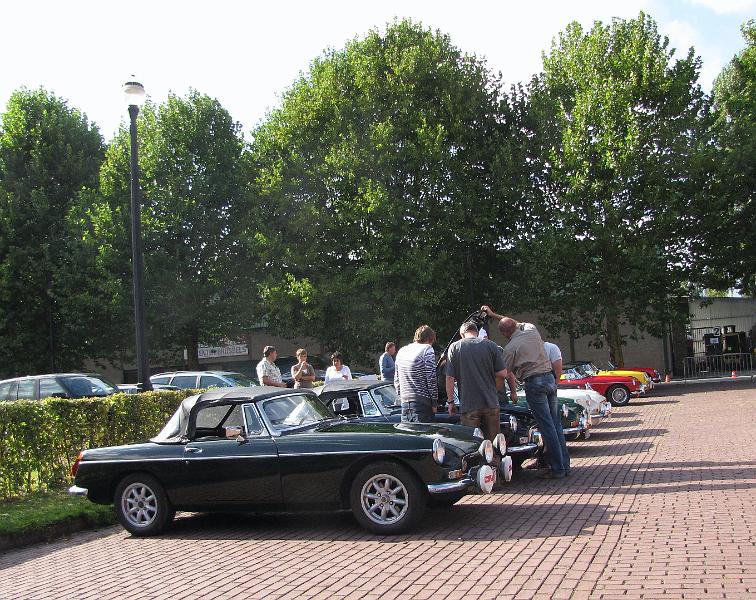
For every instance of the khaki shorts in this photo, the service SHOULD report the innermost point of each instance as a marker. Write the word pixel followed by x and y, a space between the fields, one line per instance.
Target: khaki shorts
pixel 485 418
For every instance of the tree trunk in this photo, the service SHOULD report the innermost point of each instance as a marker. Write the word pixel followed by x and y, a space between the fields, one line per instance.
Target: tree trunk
pixel 192 352
pixel 614 340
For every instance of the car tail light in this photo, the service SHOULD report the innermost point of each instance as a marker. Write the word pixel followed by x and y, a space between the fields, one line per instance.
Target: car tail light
pixel 75 466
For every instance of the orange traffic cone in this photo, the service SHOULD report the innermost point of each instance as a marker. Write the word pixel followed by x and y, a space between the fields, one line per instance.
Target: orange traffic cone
pixel 734 374
pixel 667 378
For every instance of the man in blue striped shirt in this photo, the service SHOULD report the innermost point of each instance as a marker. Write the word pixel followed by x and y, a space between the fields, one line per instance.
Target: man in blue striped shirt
pixel 415 377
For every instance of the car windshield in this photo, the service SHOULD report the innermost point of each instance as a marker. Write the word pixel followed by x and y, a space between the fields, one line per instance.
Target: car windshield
pixel 585 370
pixel 387 396
pixel 572 374
pixel 239 379
pixel 286 412
pixel 82 386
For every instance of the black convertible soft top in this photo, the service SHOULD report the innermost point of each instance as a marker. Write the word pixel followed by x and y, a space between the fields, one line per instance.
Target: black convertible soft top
pixel 179 422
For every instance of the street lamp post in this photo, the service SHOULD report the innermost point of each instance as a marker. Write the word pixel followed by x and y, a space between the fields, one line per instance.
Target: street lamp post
pixel 134 92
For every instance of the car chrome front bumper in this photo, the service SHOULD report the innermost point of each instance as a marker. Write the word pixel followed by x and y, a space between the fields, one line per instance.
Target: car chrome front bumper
pixel 530 447
pixel 75 490
pixel 467 482
pixel 460 485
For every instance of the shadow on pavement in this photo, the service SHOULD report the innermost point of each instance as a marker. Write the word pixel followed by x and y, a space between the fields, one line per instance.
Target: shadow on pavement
pixel 684 388
pixel 622 434
pixel 652 401
pixel 471 520
pixel 583 450
pixel 612 424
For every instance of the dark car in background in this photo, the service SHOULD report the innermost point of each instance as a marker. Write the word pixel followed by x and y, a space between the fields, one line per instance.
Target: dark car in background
pixel 371 400
pixel 275 449
pixel 56 385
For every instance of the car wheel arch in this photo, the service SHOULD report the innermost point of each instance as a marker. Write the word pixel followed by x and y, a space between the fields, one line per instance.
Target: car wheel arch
pixel 616 401
pixel 358 465
pixel 119 477
pixel 140 514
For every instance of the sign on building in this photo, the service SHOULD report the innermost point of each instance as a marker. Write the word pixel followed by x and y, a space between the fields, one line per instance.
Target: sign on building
pixel 229 349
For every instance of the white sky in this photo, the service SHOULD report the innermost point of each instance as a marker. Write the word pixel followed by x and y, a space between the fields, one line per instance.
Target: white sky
pixel 245 53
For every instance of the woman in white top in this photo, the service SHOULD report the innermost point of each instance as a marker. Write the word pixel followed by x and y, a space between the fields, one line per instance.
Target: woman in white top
pixel 338 371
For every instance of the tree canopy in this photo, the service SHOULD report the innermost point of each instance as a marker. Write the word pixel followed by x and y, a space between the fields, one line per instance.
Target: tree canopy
pixel 617 131
pixel 196 279
pixel 380 200
pixel 51 303
pixel 734 247
pixel 396 184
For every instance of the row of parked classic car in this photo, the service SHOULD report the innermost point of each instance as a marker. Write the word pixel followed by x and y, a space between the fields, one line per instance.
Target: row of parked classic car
pixel 239 446
pixel 338 447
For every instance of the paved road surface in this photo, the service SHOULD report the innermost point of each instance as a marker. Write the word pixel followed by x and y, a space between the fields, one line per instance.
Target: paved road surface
pixel 661 502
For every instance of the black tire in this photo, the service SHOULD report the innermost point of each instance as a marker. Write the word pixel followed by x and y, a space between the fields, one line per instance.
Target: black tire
pixel 141 505
pixel 391 489
pixel 618 395
pixel 445 500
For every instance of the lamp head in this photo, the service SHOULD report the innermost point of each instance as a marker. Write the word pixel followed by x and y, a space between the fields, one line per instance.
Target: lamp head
pixel 134 94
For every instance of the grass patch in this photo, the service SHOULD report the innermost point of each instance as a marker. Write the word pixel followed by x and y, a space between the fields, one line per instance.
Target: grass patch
pixel 39 510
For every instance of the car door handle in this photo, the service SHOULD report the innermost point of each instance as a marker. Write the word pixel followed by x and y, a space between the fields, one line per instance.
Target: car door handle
pixel 193 450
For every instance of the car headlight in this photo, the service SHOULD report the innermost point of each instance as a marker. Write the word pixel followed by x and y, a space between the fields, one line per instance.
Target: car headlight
pixel 565 410
pixel 478 433
pixel 500 443
pixel 439 452
pixel 486 450
pixel 513 422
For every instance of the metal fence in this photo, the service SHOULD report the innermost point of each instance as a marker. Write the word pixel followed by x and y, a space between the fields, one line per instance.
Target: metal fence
pixel 718 365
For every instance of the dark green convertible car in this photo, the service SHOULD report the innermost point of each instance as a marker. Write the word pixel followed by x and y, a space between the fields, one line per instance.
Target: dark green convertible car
pixel 270 449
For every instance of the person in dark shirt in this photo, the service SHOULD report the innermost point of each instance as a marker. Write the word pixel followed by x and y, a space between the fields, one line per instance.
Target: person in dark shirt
pixel 476 366
pixel 386 365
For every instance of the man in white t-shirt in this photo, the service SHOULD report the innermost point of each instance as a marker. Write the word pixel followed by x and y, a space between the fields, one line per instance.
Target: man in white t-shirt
pixel 555 358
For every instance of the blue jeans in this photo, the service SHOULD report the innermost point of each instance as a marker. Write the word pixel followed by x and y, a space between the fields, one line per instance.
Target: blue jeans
pixel 417 412
pixel 541 395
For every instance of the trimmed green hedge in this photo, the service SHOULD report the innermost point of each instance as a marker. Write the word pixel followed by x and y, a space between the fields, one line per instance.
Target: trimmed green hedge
pixel 39 440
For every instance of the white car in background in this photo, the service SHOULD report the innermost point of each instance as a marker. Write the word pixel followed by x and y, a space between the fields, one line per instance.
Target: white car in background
pixel 597 407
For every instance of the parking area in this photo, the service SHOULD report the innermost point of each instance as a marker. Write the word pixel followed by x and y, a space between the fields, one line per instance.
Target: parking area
pixel 661 502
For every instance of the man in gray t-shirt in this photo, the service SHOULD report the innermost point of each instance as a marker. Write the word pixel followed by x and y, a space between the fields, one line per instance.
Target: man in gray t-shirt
pixel 477 367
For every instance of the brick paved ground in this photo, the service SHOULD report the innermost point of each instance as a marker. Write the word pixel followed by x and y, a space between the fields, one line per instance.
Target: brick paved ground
pixel 660 503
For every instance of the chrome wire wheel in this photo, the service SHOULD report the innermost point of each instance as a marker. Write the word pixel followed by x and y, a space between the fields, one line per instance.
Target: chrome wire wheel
pixel 618 395
pixel 384 499
pixel 139 505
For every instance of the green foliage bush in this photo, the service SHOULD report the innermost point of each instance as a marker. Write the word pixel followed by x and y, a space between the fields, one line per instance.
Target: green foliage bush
pixel 39 440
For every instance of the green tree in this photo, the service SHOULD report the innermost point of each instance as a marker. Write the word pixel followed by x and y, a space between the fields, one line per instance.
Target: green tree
pixel 53 313
pixel 617 165
pixel 381 191
pixel 734 243
pixel 197 276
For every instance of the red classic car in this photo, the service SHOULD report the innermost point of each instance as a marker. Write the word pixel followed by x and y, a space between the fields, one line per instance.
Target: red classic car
pixel 652 373
pixel 618 389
